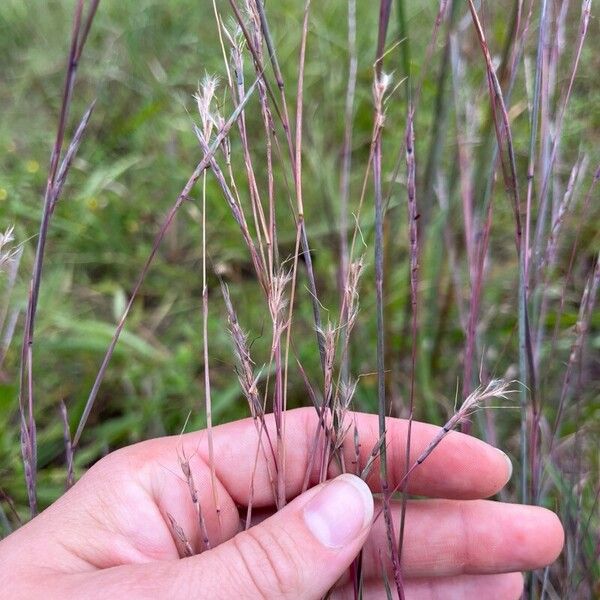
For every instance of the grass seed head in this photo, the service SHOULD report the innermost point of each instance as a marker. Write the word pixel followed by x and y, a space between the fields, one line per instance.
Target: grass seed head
pixel 8 252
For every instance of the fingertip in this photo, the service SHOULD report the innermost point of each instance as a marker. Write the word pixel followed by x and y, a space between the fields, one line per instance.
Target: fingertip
pixel 486 469
pixel 500 469
pixel 555 534
pixel 514 583
pixel 340 514
pixel 507 465
pixel 538 534
pixel 365 493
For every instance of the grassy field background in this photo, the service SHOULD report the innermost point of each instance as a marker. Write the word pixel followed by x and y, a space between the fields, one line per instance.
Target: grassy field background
pixel 142 64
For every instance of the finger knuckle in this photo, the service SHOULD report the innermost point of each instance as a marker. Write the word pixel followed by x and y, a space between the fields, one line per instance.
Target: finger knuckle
pixel 466 553
pixel 270 562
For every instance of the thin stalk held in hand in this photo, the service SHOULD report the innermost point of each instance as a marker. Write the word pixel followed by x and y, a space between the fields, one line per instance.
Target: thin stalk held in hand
pixel 380 85
pixel 56 176
pixel 183 196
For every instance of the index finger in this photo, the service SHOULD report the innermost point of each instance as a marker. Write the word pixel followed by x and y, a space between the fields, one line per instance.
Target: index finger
pixel 461 467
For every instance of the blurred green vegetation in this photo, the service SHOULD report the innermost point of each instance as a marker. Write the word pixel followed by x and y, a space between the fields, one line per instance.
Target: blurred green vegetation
pixel 143 63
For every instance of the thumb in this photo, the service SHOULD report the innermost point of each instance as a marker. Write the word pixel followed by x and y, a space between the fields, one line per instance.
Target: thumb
pixel 300 552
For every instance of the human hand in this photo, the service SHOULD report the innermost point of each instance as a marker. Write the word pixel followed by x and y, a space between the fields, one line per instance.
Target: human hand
pixel 109 536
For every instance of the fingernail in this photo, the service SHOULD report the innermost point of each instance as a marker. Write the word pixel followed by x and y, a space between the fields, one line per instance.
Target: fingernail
pixel 509 469
pixel 340 511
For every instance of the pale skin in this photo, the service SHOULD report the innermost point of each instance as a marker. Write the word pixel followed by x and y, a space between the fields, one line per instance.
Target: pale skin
pixel 109 536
